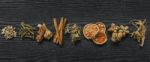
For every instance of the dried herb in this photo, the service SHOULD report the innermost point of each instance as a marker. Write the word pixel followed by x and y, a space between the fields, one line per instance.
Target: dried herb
pixel 26 31
pixel 58 37
pixel 74 30
pixel 118 32
pixel 9 32
pixel 139 34
pixel 43 32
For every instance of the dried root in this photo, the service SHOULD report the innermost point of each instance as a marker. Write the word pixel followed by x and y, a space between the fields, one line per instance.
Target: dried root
pixel 139 34
pixel 43 32
pixel 118 32
pixel 58 37
pixel 74 30
pixel 9 32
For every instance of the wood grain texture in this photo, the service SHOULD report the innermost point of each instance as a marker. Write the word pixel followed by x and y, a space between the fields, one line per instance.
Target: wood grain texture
pixel 77 11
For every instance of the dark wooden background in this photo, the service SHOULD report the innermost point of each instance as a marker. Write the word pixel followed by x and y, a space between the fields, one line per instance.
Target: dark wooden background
pixel 77 11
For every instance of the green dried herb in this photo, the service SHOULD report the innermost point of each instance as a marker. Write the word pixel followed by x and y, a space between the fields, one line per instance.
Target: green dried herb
pixel 26 31
pixel 9 32
pixel 139 34
pixel 74 30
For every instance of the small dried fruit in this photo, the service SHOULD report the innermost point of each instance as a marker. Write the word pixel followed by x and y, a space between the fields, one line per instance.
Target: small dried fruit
pixel 139 34
pixel 9 32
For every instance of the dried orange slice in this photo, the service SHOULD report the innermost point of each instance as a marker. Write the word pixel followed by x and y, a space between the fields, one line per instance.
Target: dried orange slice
pixel 101 37
pixel 90 30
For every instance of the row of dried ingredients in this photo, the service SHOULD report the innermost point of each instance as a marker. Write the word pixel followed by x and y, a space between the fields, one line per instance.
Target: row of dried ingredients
pixel 95 32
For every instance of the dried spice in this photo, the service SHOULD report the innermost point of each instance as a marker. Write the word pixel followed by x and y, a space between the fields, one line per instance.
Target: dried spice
pixel 48 33
pixel 118 32
pixel 26 31
pixel 74 30
pixel 139 34
pixel 43 33
pixel 9 32
pixel 95 32
pixel 58 37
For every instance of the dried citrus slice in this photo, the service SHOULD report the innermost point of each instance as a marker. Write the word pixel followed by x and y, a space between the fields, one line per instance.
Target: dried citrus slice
pixel 90 30
pixel 101 37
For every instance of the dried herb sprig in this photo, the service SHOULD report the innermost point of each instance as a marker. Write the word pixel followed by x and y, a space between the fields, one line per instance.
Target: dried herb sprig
pixel 74 30
pixel 9 32
pixel 26 31
pixel 139 34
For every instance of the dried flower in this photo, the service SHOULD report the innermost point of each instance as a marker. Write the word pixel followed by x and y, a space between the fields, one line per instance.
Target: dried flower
pixel 139 34
pixel 9 32
pixel 26 31
pixel 74 30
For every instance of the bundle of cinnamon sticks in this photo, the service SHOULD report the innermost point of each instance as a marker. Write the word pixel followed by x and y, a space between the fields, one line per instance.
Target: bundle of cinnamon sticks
pixel 58 37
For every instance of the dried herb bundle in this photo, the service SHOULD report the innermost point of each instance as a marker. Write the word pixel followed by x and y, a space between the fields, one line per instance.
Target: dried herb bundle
pixel 139 34
pixel 74 30
pixel 9 32
pixel 43 32
pixel 26 31
pixel 58 38
pixel 118 32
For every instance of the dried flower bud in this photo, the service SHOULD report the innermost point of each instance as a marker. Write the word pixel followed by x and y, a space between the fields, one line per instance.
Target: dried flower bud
pixel 9 32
